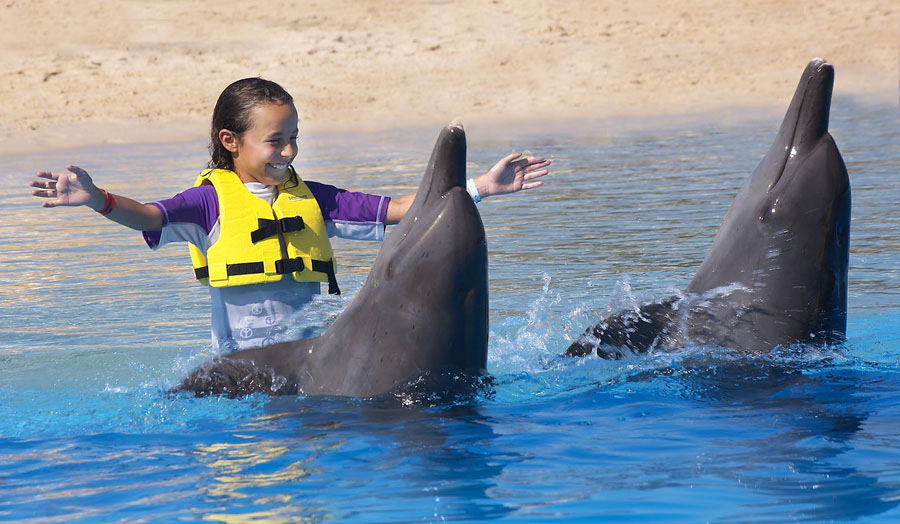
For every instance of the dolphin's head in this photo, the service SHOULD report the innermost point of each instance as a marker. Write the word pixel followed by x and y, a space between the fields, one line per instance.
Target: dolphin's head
pixel 441 217
pixel 785 238
pixel 430 275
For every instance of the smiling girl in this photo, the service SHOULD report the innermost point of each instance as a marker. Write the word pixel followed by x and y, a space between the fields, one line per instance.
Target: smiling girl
pixel 258 234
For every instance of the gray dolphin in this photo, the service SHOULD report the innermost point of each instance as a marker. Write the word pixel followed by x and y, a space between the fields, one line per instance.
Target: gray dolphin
pixel 776 273
pixel 423 307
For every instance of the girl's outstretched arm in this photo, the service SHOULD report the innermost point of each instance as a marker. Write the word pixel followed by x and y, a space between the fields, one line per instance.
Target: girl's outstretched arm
pixel 76 188
pixel 512 173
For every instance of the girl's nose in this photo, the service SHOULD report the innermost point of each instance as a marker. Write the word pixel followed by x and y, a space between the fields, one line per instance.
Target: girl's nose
pixel 289 150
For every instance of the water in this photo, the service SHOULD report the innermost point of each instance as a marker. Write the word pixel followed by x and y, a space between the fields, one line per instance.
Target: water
pixel 94 328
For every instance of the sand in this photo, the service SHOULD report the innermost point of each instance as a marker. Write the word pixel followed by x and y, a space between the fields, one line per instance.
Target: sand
pixel 92 71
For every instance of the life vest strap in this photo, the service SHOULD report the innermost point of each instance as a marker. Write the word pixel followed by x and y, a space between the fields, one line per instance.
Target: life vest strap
pixel 290 265
pixel 282 267
pixel 268 228
pixel 327 268
pixel 247 268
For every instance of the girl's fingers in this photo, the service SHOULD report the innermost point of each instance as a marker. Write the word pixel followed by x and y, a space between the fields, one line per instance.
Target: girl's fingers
pixel 51 184
pixel 535 174
pixel 531 163
pixel 44 193
pixel 47 174
pixel 534 163
pixel 510 157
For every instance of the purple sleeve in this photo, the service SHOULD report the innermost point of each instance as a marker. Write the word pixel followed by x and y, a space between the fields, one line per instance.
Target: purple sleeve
pixel 197 205
pixel 340 205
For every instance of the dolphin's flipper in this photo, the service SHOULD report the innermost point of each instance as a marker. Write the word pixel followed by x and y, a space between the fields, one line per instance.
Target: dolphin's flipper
pixel 651 326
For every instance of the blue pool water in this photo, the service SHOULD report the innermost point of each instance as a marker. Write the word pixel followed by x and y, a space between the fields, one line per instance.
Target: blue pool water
pixel 95 328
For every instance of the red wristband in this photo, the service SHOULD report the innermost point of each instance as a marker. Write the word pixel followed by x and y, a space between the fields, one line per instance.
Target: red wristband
pixel 110 204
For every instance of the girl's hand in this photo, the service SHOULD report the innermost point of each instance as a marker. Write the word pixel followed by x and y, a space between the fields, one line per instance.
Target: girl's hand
pixel 512 173
pixel 68 189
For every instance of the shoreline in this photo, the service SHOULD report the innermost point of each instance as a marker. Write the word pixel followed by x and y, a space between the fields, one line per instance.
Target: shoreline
pixel 92 133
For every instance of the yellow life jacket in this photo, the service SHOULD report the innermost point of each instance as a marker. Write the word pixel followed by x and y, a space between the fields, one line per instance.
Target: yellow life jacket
pixel 259 243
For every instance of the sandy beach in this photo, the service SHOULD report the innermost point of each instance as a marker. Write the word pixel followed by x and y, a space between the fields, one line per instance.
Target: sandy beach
pixel 141 70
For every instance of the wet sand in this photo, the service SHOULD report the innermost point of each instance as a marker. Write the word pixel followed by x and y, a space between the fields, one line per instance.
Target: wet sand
pixel 91 72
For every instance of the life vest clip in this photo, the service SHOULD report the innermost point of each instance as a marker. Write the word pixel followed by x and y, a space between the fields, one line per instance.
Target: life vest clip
pixel 268 228
pixel 289 265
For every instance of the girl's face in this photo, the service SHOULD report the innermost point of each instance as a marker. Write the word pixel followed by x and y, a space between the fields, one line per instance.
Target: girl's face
pixel 264 152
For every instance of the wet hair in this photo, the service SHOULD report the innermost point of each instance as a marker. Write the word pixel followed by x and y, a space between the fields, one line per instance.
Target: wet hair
pixel 232 112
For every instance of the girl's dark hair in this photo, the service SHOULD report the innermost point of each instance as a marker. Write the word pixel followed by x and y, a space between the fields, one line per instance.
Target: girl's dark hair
pixel 232 112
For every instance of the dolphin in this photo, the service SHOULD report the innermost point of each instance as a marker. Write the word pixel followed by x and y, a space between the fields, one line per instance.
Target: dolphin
pixel 422 309
pixel 776 273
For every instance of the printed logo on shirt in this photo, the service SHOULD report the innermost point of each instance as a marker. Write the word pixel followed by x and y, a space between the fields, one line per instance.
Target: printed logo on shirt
pixel 298 197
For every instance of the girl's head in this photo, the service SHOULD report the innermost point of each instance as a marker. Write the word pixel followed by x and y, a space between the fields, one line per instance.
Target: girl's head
pixel 244 108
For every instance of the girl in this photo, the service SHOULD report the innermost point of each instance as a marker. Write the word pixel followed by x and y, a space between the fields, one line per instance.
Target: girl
pixel 252 223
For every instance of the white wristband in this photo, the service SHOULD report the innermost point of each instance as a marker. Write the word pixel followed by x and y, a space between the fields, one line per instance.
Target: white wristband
pixel 470 185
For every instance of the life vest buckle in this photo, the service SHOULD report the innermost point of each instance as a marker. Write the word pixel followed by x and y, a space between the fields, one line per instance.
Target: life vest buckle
pixel 289 265
pixel 268 228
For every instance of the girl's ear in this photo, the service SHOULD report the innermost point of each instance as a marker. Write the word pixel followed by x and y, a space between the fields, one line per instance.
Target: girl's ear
pixel 229 140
